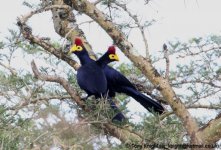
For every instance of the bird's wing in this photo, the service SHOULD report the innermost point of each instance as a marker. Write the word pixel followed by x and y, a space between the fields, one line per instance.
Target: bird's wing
pixel 91 79
pixel 115 77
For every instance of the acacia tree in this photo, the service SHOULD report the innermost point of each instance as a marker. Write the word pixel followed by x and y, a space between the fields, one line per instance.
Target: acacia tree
pixel 199 77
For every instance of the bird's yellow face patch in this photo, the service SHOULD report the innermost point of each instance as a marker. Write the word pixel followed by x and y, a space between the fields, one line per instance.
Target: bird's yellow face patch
pixel 74 49
pixel 114 57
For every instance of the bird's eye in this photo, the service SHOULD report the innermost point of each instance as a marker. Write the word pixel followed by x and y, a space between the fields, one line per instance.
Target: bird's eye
pixel 79 48
pixel 111 56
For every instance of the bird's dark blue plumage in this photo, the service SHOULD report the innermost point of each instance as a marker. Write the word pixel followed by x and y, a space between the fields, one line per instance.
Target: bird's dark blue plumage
pixel 91 77
pixel 117 82
pixel 92 80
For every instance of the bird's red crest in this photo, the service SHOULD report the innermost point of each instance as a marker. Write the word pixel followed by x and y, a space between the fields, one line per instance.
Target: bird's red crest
pixel 111 50
pixel 78 42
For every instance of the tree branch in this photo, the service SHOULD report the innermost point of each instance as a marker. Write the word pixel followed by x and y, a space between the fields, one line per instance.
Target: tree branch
pixel 141 28
pixel 25 18
pixel 199 52
pixel 208 82
pixel 166 56
pixel 24 103
pixel 97 2
pixel 211 132
pixel 217 107
pixel 12 70
pixel 26 32
pixel 74 95
pixel 65 25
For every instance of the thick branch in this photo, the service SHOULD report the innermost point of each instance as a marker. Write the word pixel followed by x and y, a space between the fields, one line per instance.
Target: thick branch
pixel 211 132
pixel 46 45
pixel 65 25
pixel 143 64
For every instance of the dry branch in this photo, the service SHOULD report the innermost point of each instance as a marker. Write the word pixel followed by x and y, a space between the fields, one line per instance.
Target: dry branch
pixel 166 56
pixel 25 103
pixel 216 107
pixel 46 45
pixel 25 18
pixel 12 70
pixel 211 132
pixel 208 82
pixel 65 25
pixel 200 52
pixel 74 95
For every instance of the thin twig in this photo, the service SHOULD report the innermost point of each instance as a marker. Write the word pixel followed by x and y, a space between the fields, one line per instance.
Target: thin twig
pixel 25 18
pixel 12 70
pixel 97 2
pixel 196 81
pixel 166 56
pixel 197 53
pixel 196 106
pixel 140 27
pixel 36 100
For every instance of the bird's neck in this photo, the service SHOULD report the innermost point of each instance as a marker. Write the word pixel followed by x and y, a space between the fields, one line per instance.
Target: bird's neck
pixel 103 61
pixel 85 58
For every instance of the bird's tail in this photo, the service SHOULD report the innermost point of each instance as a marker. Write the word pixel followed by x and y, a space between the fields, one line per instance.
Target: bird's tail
pixel 145 101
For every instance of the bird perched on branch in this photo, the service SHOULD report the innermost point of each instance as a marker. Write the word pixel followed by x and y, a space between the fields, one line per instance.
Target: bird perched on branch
pixel 91 77
pixel 117 82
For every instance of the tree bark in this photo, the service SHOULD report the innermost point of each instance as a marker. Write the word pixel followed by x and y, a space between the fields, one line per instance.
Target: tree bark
pixel 65 25
pixel 211 132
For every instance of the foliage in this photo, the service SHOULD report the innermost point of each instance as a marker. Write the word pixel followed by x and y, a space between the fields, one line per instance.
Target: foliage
pixel 12 129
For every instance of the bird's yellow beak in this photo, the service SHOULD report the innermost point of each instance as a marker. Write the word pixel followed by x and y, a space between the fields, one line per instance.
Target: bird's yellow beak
pixel 75 48
pixel 72 49
pixel 116 57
